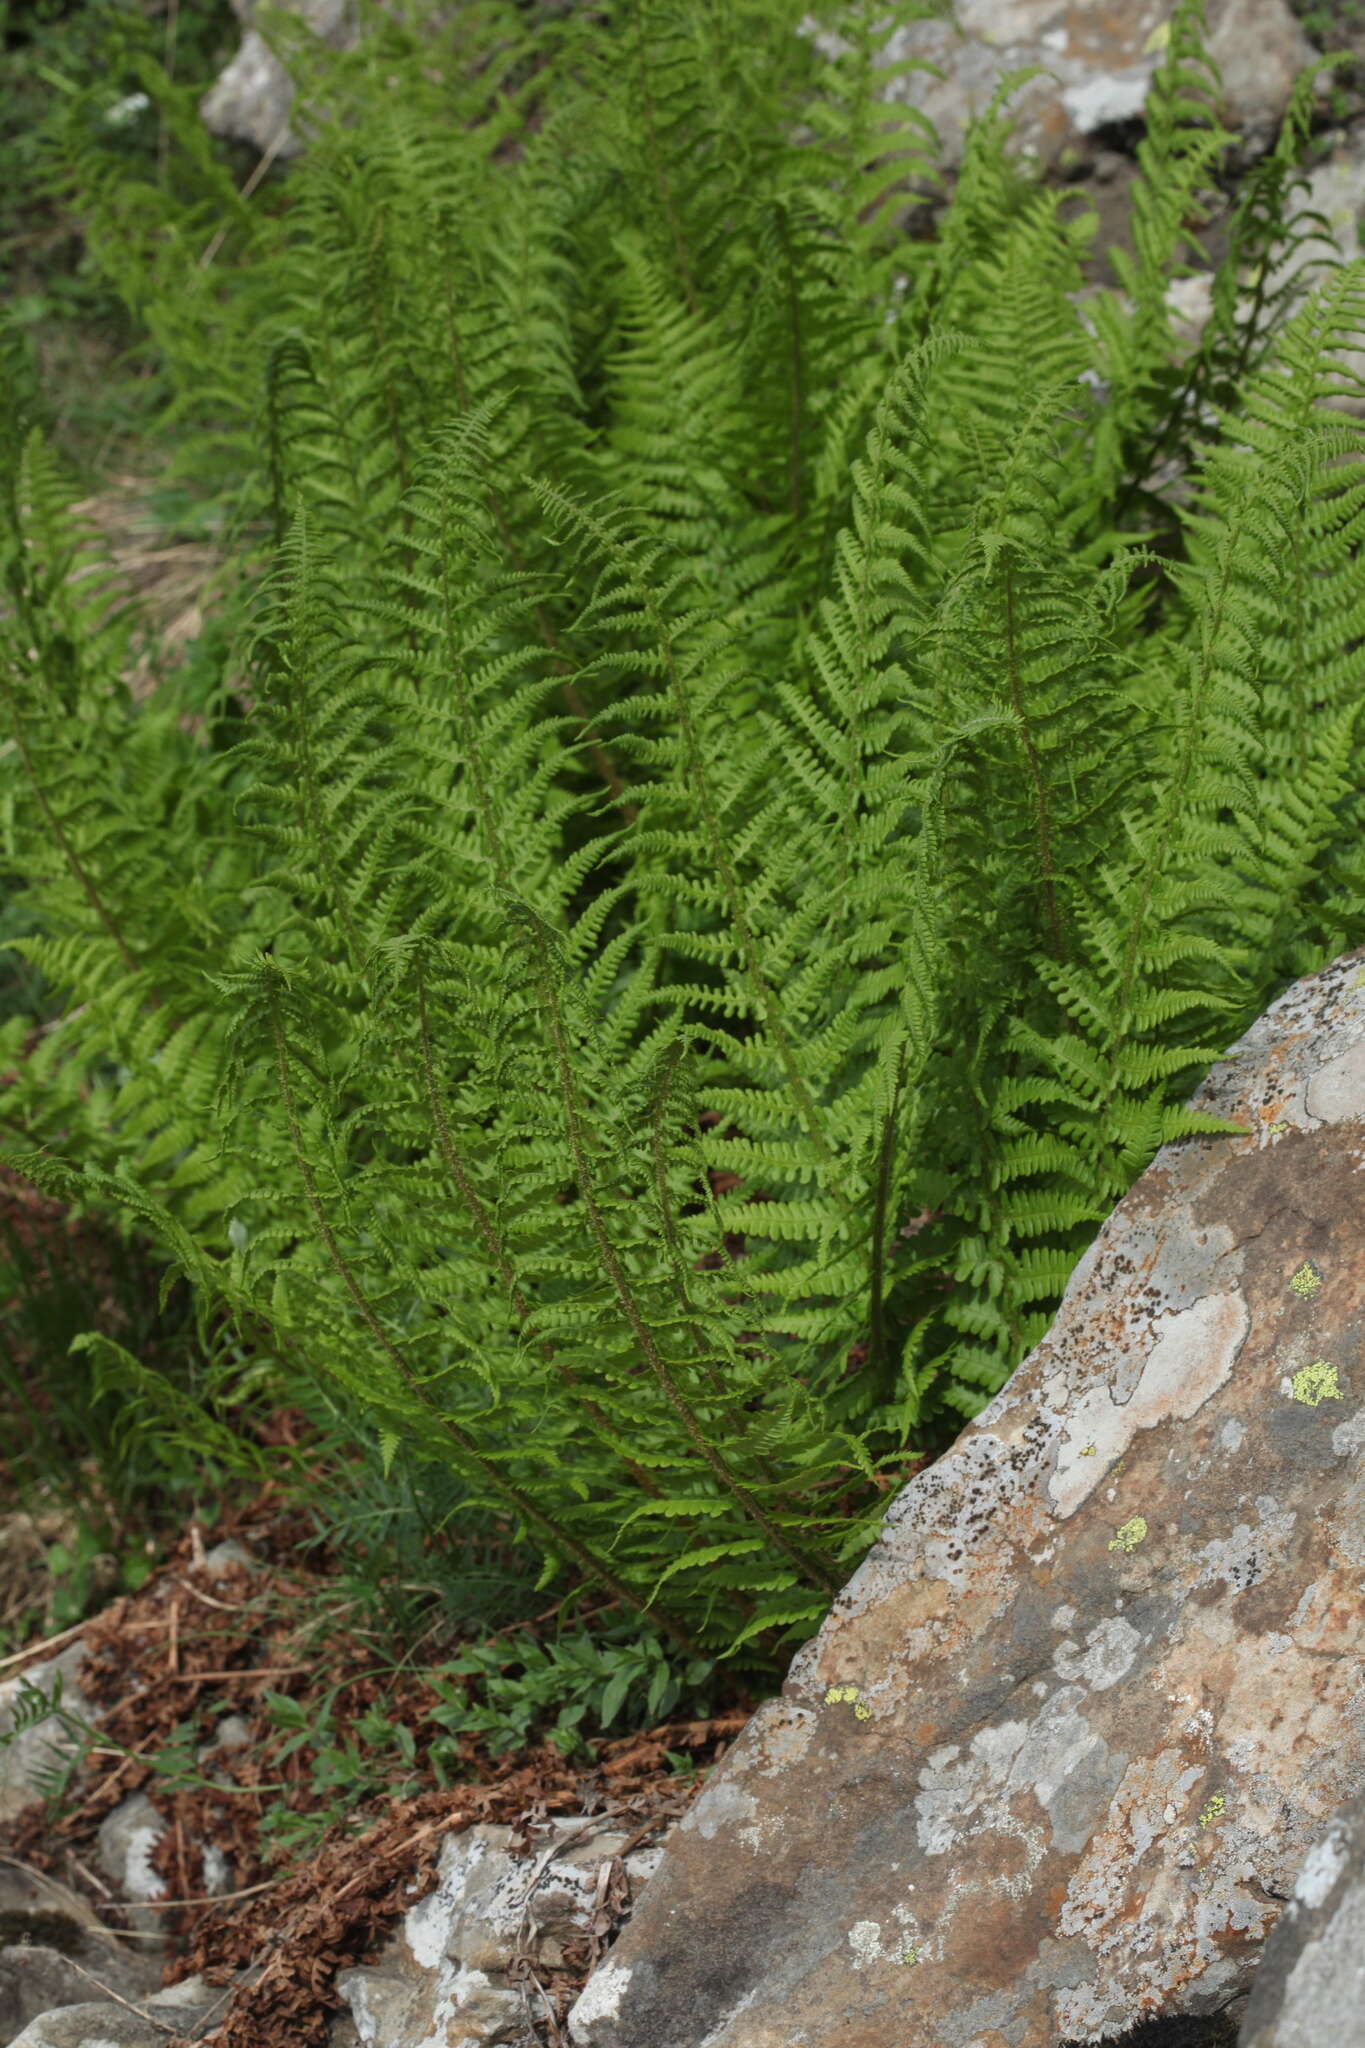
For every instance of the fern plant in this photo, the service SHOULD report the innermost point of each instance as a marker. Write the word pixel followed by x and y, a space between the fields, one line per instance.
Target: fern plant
pixel 764 759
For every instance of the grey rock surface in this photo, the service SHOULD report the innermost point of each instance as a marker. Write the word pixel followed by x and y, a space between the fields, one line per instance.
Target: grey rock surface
pixel 36 1908
pixel 91 2026
pixel 35 1979
pixel 447 1978
pixel 1310 1988
pixel 1057 1753
pixel 55 1951
pixel 251 98
pixel 1097 59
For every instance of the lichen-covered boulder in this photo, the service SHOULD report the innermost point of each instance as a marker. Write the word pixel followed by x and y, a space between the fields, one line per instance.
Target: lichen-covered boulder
pixel 1310 1987
pixel 1057 1754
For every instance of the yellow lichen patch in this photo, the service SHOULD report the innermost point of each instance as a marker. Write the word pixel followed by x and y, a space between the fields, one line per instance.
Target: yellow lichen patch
pixel 910 1954
pixel 1213 1810
pixel 1088 1452
pixel 1306 1281
pixel 848 1695
pixel 1359 981
pixel 1278 1128
pixel 1130 1535
pixel 1317 1382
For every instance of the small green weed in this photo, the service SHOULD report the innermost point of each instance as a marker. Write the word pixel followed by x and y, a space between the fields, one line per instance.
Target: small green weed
pixel 506 1693
pixel 589 1683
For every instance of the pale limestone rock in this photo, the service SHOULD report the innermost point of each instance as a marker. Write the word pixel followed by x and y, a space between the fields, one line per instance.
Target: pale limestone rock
pixel 62 1959
pixel 90 2026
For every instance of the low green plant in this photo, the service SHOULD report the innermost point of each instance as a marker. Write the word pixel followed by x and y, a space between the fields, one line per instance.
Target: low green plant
pixel 69 1738
pixel 590 1682
pixel 507 1693
pixel 768 758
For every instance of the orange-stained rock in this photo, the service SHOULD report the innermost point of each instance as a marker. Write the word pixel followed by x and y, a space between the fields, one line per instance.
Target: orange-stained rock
pixel 1058 1753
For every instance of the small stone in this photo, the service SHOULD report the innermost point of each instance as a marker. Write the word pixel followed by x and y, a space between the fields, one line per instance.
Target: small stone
pixel 232 1732
pixel 250 101
pixel 223 1556
pixel 445 1978
pixel 127 1837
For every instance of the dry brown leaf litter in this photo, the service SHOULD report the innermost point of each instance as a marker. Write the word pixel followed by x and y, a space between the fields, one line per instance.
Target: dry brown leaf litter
pixel 191 1645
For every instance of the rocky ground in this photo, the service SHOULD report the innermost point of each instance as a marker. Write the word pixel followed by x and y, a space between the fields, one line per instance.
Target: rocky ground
pixel 158 1836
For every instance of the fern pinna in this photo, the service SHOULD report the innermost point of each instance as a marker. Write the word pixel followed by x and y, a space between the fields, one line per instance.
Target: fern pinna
pixel 759 759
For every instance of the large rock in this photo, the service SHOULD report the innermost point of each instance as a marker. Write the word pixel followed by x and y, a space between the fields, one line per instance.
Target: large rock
pixel 1098 58
pixel 37 1908
pixel 448 1977
pixel 75 2014
pixel 1310 1987
pixel 1059 1750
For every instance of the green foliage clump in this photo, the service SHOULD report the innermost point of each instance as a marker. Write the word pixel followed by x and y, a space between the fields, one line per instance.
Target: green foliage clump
pixel 581 1678
pixel 763 759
